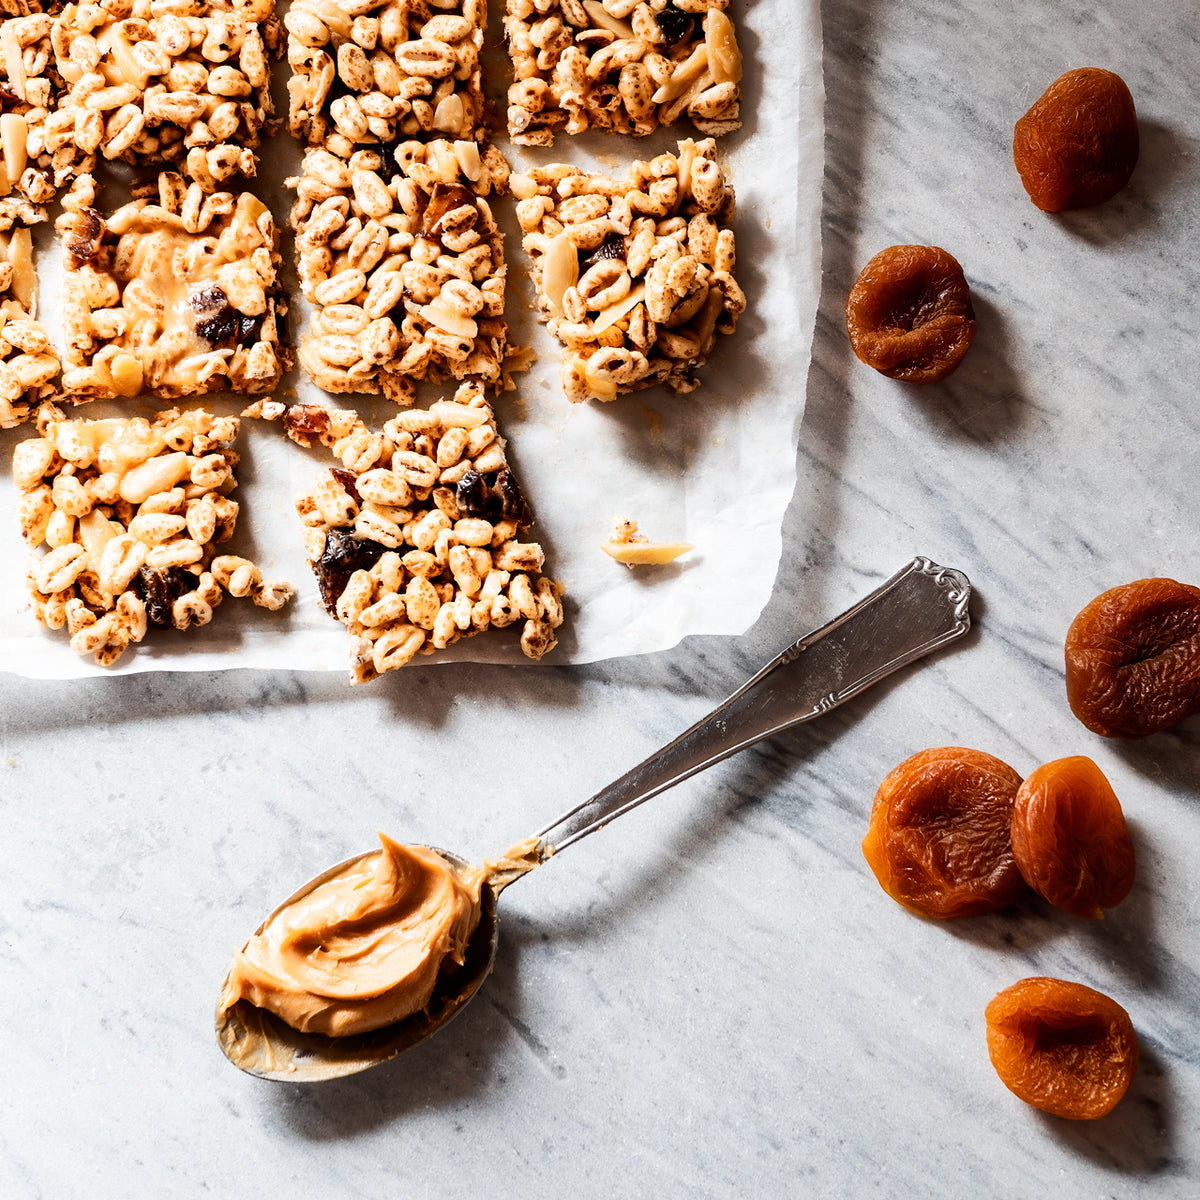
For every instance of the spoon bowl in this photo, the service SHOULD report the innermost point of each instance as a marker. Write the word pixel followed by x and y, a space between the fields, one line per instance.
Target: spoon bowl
pixel 922 607
pixel 262 1044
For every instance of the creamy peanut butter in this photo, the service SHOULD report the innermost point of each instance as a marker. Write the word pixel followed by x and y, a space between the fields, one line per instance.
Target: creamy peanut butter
pixel 364 948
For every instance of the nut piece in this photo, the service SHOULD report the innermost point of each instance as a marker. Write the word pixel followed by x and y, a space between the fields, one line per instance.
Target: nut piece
pixel 633 549
pixel 131 513
pixel 635 277
pixel 624 66
pixel 1078 144
pixel 415 537
pixel 173 298
pixel 909 314
pixel 404 264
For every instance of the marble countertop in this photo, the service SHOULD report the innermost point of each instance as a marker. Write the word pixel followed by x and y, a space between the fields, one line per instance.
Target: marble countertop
pixel 713 998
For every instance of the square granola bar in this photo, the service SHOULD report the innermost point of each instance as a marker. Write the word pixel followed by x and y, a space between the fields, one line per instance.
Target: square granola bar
pixel 38 154
pixel 634 277
pixel 173 296
pixel 415 538
pixel 28 361
pixel 380 70
pixel 169 82
pixel 403 262
pixel 626 66
pixel 130 513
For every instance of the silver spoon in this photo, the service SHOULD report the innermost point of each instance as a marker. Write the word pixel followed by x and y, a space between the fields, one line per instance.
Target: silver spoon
pixel 921 608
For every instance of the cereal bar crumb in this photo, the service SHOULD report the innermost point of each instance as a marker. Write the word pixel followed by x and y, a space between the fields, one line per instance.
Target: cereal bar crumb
pixel 634 277
pixel 415 538
pixel 377 70
pixel 404 264
pixel 29 363
pixel 130 513
pixel 625 66
pixel 634 549
pixel 173 297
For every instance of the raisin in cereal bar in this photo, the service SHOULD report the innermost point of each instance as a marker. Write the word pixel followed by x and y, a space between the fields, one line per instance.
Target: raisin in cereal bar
pixel 38 154
pixel 626 66
pixel 380 70
pixel 403 262
pixel 634 278
pixel 28 361
pixel 169 82
pixel 130 514
pixel 415 538
pixel 172 296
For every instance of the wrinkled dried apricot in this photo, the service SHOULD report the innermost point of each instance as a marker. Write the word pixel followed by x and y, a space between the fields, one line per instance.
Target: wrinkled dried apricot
pixel 1078 144
pixel 1070 839
pixel 940 835
pixel 909 313
pixel 1062 1047
pixel 1133 658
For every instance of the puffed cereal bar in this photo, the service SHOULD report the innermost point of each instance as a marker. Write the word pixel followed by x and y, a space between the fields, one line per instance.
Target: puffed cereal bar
pixel 403 263
pixel 173 296
pixel 634 278
pixel 415 538
pixel 380 70
pixel 28 361
pixel 38 154
pixel 184 83
pixel 624 66
pixel 130 514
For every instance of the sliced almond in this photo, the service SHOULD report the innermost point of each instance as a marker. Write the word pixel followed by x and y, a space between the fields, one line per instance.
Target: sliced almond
pixel 603 19
pixel 689 70
pixel 95 532
pixel 724 57
pixel 450 115
pixel 560 270
pixel 467 154
pixel 614 312
pixel 642 554
pixel 14 132
pixel 14 62
pixel 24 282
pixel 449 321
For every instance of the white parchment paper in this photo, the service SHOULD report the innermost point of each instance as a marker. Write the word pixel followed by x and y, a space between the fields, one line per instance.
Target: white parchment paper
pixel 716 468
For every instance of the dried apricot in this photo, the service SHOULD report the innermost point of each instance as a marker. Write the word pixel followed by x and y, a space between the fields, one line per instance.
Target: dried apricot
pixel 940 835
pixel 1062 1047
pixel 1133 658
pixel 1070 839
pixel 909 313
pixel 1078 144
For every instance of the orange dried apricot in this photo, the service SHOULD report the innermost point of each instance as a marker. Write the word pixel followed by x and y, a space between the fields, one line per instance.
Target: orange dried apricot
pixel 1133 658
pixel 1062 1047
pixel 940 834
pixel 909 313
pixel 1078 144
pixel 1070 839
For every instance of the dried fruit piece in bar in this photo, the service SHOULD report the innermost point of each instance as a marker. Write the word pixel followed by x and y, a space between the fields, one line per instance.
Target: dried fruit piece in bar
pixel 416 538
pixel 940 835
pixel 403 262
pixel 160 82
pixel 634 277
pixel 173 296
pixel 28 360
pixel 626 66
pixel 381 70
pixel 1062 1047
pixel 38 152
pixel 130 513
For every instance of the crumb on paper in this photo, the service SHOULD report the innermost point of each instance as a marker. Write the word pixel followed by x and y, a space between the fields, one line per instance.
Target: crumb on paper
pixel 634 549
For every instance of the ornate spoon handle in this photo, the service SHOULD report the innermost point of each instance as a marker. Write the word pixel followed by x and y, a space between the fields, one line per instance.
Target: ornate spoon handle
pixel 920 608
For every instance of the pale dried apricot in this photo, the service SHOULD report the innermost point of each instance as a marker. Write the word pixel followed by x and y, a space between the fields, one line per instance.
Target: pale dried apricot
pixel 1133 658
pixel 940 835
pixel 1070 839
pixel 1062 1047
pixel 1078 144
pixel 909 313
